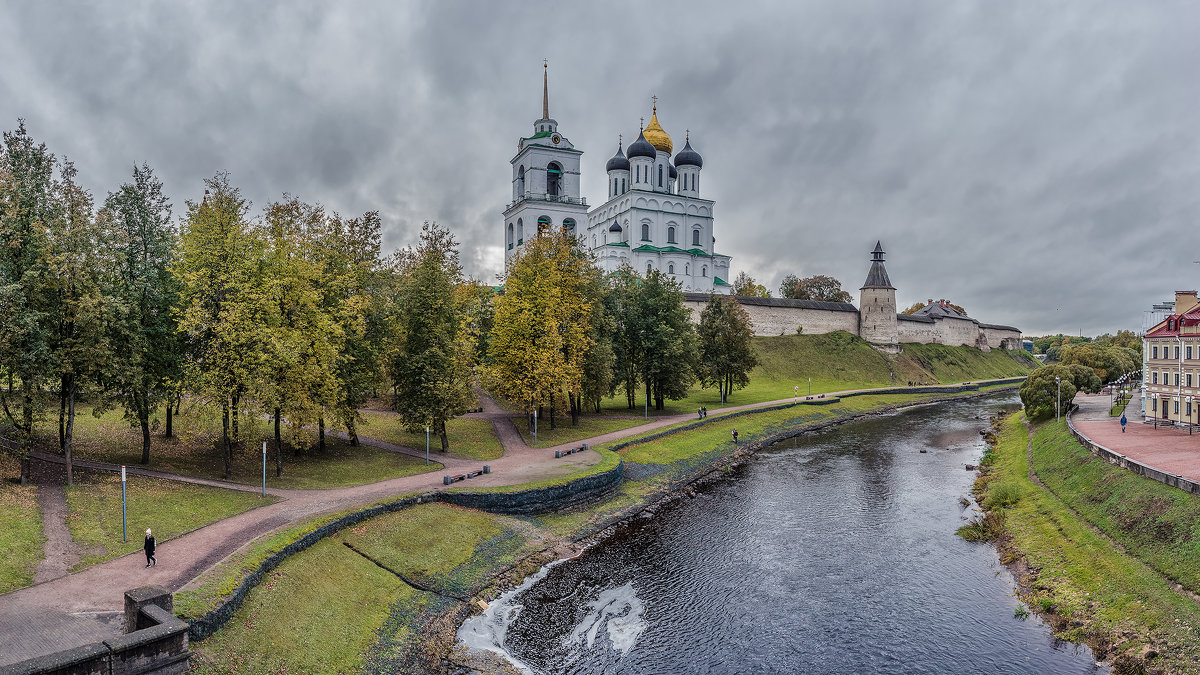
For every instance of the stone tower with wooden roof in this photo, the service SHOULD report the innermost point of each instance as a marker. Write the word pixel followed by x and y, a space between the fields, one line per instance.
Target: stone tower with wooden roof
pixel 877 304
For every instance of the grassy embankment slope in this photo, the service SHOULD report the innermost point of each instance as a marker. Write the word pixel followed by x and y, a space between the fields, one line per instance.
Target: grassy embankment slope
pixel 1120 602
pixel 395 623
pixel 840 361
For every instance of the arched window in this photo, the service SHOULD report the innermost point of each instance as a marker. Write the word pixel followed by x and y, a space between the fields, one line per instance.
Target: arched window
pixel 622 185
pixel 593 241
pixel 569 226
pixel 649 267
pixel 520 232
pixel 553 179
pixel 660 183
pixel 670 268
pixel 685 269
pixel 645 231
pixel 704 271
pixel 520 182
pixel 544 224
pixel 510 236
pixel 695 237
pixel 670 235
pixel 696 182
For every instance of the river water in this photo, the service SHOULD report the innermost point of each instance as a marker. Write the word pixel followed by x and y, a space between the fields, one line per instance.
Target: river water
pixel 830 553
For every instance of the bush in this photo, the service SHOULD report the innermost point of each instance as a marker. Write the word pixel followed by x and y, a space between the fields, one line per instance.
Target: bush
pixel 1039 392
pixel 1001 496
pixel 987 528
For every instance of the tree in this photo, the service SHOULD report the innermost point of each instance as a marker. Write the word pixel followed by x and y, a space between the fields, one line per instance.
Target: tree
pixel 28 202
pixel 621 304
pixel 431 370
pixel 80 267
pixel 147 351
pixel 1109 363
pixel 1040 393
pixel 541 336
pixel 917 306
pixel 223 303
pixel 726 352
pixel 668 340
pixel 745 286
pixel 599 364
pixel 818 287
pixel 347 253
pixel 303 340
pixel 1085 379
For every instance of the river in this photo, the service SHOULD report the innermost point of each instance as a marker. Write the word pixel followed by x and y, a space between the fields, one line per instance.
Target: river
pixel 828 553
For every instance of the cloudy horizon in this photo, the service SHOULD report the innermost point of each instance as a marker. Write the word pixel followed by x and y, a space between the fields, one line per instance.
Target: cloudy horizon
pixel 1036 164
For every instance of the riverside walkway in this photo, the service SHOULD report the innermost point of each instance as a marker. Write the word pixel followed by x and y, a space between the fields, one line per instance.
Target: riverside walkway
pixel 79 608
pixel 1167 448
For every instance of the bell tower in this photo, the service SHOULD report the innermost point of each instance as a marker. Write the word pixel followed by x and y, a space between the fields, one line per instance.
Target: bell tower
pixel 877 304
pixel 545 183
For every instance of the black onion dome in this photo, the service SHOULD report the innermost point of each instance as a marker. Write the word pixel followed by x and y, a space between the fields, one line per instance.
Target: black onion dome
pixel 673 173
pixel 689 157
pixel 618 162
pixel 614 227
pixel 642 148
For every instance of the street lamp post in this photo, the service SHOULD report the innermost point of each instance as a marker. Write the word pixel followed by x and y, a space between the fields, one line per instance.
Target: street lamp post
pixel 124 531
pixel 426 445
pixel 796 392
pixel 1058 401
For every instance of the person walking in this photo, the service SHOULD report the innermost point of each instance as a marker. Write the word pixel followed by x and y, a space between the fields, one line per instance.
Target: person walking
pixel 1123 421
pixel 703 412
pixel 149 548
pixel 735 436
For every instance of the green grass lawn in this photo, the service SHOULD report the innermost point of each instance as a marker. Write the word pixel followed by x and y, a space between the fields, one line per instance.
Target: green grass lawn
pixel 589 426
pixel 20 529
pixel 838 362
pixel 195 451
pixel 362 617
pixel 170 508
pixel 1080 575
pixel 470 438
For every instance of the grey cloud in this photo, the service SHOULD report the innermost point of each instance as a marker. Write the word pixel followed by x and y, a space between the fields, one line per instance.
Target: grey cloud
pixel 1034 163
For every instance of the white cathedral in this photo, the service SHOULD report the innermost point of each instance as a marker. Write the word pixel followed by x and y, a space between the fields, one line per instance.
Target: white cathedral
pixel 652 219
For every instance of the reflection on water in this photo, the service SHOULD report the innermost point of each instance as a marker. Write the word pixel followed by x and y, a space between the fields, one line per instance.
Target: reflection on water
pixel 833 553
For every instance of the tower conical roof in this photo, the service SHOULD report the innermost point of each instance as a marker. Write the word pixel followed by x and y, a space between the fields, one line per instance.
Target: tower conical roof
pixel 878 276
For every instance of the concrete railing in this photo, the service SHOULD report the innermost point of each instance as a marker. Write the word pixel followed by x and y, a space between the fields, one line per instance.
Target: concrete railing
pixel 1117 459
pixel 155 642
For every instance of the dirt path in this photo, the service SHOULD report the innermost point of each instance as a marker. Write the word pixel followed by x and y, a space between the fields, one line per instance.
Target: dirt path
pixel 61 552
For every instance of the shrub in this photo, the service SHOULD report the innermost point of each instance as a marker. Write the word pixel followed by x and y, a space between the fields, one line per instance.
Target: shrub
pixel 1039 392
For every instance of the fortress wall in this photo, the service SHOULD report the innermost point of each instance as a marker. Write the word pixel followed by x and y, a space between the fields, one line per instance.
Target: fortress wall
pixel 769 320
pixel 958 331
pixel 1002 337
pixel 782 317
pixel 919 332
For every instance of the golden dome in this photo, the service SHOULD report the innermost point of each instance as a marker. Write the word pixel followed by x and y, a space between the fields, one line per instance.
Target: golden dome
pixel 655 134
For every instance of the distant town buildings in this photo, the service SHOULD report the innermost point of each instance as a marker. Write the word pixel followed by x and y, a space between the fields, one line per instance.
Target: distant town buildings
pixel 1171 363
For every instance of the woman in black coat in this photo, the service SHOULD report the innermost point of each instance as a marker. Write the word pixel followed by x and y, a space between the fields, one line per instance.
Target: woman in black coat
pixel 149 547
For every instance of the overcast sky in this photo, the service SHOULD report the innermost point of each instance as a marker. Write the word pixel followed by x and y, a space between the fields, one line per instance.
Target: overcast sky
pixel 1035 162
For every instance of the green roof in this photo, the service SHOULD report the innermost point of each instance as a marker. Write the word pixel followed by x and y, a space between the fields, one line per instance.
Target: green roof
pixel 718 281
pixel 540 134
pixel 647 248
pixel 618 243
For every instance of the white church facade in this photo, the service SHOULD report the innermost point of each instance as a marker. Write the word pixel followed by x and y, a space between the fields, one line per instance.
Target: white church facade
pixel 652 219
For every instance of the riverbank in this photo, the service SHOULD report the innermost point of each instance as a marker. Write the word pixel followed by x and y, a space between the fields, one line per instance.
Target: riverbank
pixel 1108 558
pixel 411 630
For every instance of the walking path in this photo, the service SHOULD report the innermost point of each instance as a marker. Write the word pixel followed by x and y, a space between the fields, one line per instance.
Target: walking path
pixel 37 619
pixel 1167 448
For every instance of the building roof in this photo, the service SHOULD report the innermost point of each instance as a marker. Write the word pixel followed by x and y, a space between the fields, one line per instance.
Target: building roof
pixel 940 310
pixel 656 135
pixel 878 276
pixel 1170 326
pixel 618 161
pixel 641 148
pixel 689 157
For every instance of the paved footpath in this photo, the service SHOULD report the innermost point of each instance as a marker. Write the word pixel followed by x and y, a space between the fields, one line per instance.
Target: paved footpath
pixel 49 616
pixel 1167 448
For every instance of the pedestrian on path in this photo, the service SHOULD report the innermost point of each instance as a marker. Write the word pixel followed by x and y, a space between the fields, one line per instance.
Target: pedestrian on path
pixel 1123 421
pixel 735 436
pixel 703 412
pixel 699 414
pixel 149 548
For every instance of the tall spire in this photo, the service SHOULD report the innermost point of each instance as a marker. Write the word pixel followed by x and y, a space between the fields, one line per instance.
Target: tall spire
pixel 545 89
